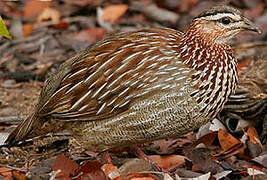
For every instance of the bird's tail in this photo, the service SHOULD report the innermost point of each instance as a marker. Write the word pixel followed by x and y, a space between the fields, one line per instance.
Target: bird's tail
pixel 22 131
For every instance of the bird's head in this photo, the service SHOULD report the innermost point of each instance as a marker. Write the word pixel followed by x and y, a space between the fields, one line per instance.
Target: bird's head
pixel 221 23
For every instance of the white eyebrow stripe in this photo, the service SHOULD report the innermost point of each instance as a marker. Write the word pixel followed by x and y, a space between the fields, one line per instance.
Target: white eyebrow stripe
pixel 235 17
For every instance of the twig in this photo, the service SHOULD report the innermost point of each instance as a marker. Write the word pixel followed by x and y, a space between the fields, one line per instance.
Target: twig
pixel 154 12
pixel 13 168
pixel 34 37
pixel 4 46
pixel 11 119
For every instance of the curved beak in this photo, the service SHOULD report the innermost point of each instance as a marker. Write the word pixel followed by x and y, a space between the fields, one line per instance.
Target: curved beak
pixel 250 26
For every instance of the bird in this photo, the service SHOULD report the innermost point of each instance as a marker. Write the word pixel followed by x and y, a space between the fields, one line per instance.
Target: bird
pixel 140 86
pixel 248 105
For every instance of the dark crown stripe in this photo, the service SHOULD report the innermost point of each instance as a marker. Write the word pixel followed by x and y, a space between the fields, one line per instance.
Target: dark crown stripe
pixel 218 10
pixel 212 14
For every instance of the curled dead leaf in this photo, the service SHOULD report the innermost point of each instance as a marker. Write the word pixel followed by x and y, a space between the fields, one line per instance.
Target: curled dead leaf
pixel 253 135
pixel 230 145
pixel 207 139
pixel 112 13
pixel 254 146
pixel 49 14
pixel 226 140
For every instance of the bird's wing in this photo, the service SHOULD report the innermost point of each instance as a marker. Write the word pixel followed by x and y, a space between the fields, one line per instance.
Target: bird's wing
pixel 102 81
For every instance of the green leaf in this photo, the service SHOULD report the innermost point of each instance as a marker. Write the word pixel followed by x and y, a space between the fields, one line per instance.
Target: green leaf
pixel 3 29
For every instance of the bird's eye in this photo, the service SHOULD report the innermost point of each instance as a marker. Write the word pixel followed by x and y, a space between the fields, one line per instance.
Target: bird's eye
pixel 225 20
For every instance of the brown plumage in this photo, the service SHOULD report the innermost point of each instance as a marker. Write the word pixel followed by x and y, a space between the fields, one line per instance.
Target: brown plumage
pixel 141 86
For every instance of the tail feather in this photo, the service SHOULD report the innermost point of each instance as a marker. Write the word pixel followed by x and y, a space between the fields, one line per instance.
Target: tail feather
pixel 22 131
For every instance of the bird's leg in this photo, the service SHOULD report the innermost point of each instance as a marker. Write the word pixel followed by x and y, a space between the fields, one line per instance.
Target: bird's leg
pixel 105 157
pixel 139 153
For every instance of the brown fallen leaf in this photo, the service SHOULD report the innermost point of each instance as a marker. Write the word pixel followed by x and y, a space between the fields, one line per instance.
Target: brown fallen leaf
pixel 207 139
pixel 236 149
pixel 90 34
pixel 61 25
pixel 169 162
pixel 254 146
pixel 18 175
pixel 79 2
pixel 227 140
pixel 170 145
pixel 164 146
pixel 133 166
pixel 203 161
pixel 187 173
pixel 9 177
pixel 27 29
pixel 142 178
pixel 253 135
pixel 109 170
pixel 91 170
pixel 5 171
pixel 112 13
pixel 33 7
pixel 242 65
pixel 66 165
pixel 137 176
pixel 230 145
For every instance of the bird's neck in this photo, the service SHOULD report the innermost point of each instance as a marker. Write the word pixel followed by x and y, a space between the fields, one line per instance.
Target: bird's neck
pixel 207 36
pixel 197 49
pixel 214 69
